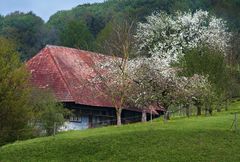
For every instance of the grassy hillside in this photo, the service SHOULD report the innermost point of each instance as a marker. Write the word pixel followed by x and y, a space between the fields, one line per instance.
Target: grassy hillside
pixel 181 139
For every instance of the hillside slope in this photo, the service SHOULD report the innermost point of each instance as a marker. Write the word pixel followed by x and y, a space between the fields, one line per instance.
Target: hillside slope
pixel 181 139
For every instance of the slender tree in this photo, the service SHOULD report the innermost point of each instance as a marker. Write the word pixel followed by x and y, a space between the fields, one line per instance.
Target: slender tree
pixel 116 78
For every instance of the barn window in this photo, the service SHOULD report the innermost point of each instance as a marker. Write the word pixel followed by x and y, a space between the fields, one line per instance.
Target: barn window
pixel 76 119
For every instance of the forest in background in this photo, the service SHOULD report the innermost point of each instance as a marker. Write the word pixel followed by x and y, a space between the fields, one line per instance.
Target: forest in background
pixel 87 26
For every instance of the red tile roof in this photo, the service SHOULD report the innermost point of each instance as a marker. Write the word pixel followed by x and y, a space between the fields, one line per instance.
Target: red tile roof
pixel 69 73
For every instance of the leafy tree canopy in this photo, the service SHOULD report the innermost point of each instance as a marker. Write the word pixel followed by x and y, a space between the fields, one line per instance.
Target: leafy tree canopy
pixel 77 35
pixel 25 30
pixel 207 62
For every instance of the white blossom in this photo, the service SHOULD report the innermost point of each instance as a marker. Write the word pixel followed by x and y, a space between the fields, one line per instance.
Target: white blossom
pixel 166 36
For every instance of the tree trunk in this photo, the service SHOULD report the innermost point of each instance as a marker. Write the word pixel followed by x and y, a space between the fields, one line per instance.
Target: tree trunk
pixel 144 116
pixel 166 116
pixel 219 106
pixel 198 105
pixel 210 110
pixel 206 109
pixel 119 113
pixel 199 110
pixel 188 110
pixel 226 105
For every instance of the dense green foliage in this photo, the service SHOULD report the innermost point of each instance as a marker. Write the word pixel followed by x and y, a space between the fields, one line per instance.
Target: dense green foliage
pixel 211 63
pixel 77 35
pixel 207 62
pixel 25 30
pixel 103 37
pixel 14 94
pixel 181 139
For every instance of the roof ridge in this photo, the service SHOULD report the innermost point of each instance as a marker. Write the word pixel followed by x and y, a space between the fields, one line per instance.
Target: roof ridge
pixel 60 72
pixel 92 52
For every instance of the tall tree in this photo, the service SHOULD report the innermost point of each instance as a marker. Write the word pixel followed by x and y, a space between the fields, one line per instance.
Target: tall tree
pixel 142 87
pixel 116 80
pixel 15 110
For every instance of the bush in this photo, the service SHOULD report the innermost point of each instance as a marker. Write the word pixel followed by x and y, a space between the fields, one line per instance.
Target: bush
pixel 48 113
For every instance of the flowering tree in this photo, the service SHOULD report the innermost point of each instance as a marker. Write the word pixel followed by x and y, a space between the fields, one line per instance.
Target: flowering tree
pixel 167 36
pixel 194 90
pixel 151 84
pixel 113 72
pixel 142 86
pixel 113 76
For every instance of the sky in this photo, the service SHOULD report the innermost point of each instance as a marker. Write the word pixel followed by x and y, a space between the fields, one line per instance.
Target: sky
pixel 42 8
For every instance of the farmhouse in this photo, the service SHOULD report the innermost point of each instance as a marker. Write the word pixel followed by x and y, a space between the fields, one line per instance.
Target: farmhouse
pixel 69 74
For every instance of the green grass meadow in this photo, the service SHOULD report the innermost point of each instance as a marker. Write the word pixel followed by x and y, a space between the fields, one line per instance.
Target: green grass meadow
pixel 205 139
